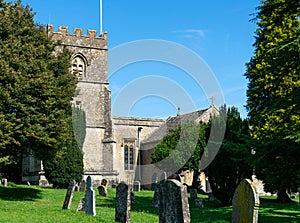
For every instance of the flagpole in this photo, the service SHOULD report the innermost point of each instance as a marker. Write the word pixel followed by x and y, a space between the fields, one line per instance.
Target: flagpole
pixel 100 17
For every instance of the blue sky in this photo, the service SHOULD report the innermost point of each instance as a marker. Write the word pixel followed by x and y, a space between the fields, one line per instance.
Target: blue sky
pixel 218 32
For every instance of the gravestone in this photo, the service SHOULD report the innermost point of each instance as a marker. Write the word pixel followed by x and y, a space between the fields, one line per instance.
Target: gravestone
pixel 155 199
pixel 137 186
pixel 123 203
pixel 102 191
pixel 76 187
pixel 154 182
pixel 193 193
pixel 132 198
pixel 245 203
pixel 82 186
pixel 199 203
pixel 173 206
pixel 81 205
pixel 69 195
pixel 163 176
pixel 4 181
pixel 89 199
pixel 104 183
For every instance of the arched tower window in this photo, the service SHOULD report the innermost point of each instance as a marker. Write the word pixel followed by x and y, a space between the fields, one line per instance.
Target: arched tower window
pixel 78 67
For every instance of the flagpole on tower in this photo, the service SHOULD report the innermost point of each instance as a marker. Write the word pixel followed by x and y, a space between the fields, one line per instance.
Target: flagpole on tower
pixel 100 17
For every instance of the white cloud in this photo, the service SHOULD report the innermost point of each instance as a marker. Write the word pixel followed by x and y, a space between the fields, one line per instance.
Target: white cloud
pixel 191 33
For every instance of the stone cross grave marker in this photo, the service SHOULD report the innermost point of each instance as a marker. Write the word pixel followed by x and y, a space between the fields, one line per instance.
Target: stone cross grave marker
pixel 245 203
pixel 123 203
pixel 69 195
pixel 89 199
pixel 173 204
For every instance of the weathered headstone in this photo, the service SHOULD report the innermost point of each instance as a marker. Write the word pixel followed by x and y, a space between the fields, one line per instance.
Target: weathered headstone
pixel 199 203
pixel 245 203
pixel 89 199
pixel 76 187
pixel 211 197
pixel 173 204
pixel 193 193
pixel 82 186
pixel 104 183
pixel 4 181
pixel 81 205
pixel 154 182
pixel 123 203
pixel 132 198
pixel 102 191
pixel 155 199
pixel 69 195
pixel 137 186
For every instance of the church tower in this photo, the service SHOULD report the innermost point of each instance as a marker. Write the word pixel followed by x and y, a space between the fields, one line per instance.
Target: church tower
pixel 89 64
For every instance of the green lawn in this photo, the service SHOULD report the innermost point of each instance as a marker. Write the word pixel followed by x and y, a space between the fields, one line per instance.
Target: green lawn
pixel 37 204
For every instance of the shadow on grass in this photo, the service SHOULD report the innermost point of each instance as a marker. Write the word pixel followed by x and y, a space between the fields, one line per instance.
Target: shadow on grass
pixel 272 211
pixel 19 193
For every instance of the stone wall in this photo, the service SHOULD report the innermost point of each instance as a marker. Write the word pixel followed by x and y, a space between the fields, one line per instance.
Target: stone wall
pixel 126 130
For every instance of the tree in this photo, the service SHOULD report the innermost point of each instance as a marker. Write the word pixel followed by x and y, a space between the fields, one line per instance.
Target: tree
pixel 273 95
pixel 233 160
pixel 36 87
pixel 181 149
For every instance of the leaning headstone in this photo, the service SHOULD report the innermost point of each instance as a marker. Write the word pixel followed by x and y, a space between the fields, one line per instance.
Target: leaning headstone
pixel 173 204
pixel 193 193
pixel 4 181
pixel 123 203
pixel 102 191
pixel 82 186
pixel 137 186
pixel 199 203
pixel 69 195
pixel 89 199
pixel 81 205
pixel 104 183
pixel 245 203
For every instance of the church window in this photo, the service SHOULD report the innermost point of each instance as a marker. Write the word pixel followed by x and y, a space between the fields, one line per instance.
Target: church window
pixel 129 154
pixel 78 67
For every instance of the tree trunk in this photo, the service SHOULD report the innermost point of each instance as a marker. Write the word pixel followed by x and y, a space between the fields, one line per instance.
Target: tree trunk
pixel 283 197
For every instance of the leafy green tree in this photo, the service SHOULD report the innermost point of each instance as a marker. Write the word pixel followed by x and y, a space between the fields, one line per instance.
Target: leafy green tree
pixel 273 95
pixel 181 149
pixel 233 160
pixel 36 87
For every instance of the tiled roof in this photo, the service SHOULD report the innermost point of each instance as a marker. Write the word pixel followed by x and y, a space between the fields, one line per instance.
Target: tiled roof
pixel 173 123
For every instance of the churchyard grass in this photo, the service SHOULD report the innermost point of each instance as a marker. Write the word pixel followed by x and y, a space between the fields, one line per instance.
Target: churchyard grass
pixel 38 204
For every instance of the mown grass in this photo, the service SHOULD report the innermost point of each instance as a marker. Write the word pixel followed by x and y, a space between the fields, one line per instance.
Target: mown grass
pixel 37 204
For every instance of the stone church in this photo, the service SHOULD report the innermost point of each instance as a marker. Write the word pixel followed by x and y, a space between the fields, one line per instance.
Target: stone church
pixel 112 144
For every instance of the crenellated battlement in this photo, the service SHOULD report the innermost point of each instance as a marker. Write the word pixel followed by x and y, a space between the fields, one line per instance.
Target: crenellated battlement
pixel 76 38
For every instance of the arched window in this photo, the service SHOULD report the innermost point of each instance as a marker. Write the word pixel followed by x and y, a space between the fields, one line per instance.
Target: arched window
pixel 78 67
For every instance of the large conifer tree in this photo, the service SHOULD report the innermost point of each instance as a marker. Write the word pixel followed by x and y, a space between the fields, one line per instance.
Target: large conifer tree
pixel 273 95
pixel 36 88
